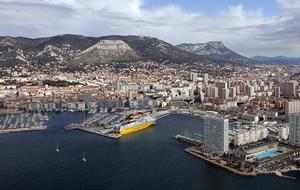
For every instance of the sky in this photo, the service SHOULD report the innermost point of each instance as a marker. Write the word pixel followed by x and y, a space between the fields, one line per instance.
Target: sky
pixel 249 27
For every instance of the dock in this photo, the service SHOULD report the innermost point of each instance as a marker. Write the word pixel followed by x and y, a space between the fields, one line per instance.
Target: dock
pixel 188 140
pixel 105 132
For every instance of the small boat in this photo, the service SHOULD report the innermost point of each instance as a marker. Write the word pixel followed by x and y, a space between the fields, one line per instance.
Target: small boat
pixel 57 149
pixel 83 157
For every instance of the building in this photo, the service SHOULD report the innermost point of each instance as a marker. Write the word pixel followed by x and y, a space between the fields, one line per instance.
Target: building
pixel 250 152
pixel 250 91
pixel 294 129
pixel 125 87
pixel 205 79
pixel 292 107
pixel 225 93
pixel 193 77
pixel 250 117
pixel 216 134
pixel 246 136
pixel 288 88
pixel 283 132
pixel 220 85
pixel 212 91
pixel 276 92
pixel 232 92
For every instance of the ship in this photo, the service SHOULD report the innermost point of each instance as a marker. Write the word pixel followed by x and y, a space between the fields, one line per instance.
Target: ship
pixel 139 124
pixel 135 116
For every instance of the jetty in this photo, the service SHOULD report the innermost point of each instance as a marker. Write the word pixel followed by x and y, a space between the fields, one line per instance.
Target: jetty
pixel 188 140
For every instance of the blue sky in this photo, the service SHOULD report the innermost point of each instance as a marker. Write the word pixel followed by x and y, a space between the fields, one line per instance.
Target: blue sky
pixel 250 27
pixel 270 7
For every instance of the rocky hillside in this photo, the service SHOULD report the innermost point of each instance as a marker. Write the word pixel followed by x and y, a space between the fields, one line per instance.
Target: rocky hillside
pixel 75 49
pixel 216 51
pixel 66 50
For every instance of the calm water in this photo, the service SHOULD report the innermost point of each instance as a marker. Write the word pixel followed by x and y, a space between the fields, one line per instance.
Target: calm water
pixel 149 159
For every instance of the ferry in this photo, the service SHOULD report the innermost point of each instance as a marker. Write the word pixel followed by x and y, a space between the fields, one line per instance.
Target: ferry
pixel 135 116
pixel 139 124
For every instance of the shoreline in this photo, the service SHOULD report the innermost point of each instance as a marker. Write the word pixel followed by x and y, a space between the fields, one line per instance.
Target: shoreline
pixel 191 151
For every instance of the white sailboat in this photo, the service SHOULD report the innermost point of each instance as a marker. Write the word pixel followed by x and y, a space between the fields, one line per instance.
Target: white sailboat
pixel 83 157
pixel 57 149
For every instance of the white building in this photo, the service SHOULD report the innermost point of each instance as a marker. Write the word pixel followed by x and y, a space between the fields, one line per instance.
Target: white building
pixel 205 79
pixel 250 91
pixel 245 136
pixel 294 124
pixel 283 132
pixel 216 134
pixel 193 77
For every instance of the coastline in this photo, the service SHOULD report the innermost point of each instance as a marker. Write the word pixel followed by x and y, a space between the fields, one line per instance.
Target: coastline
pixel 190 150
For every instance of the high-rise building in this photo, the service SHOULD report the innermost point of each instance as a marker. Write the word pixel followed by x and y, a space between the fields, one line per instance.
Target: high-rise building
pixel 225 93
pixel 220 85
pixel 229 83
pixel 276 92
pixel 250 90
pixel 216 134
pixel 193 77
pixel 288 88
pixel 294 129
pixel 212 91
pixel 232 92
pixel 292 107
pixel 238 90
pixel 205 79
pixel 242 87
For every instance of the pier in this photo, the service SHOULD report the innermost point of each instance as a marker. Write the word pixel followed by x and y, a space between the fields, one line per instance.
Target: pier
pixel 188 140
pixel 106 132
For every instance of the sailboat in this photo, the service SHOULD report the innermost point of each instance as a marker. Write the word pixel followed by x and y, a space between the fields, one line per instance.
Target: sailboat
pixel 57 149
pixel 83 157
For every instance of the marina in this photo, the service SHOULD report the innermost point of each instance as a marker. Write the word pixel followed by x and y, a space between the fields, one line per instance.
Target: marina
pixel 20 122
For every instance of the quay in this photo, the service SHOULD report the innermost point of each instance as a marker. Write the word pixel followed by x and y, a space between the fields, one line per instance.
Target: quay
pixel 223 164
pixel 194 152
pixel 94 130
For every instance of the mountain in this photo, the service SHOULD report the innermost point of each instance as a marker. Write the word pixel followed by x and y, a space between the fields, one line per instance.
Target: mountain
pixel 106 51
pixel 75 49
pixel 277 59
pixel 216 51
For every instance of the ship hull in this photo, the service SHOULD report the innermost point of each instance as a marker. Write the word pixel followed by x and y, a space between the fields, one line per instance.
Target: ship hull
pixel 137 128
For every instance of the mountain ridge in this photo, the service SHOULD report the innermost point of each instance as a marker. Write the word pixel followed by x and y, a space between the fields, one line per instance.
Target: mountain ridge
pixel 215 50
pixel 69 49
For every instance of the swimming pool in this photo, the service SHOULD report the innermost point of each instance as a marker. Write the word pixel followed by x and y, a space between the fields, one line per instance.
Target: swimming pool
pixel 267 155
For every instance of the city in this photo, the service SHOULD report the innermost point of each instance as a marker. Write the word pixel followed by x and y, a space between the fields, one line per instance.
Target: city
pixel 114 110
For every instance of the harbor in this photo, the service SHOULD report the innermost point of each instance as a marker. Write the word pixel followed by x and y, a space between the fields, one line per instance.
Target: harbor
pixel 107 157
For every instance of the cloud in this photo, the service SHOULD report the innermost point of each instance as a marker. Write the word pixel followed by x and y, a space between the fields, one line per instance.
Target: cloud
pixel 249 32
